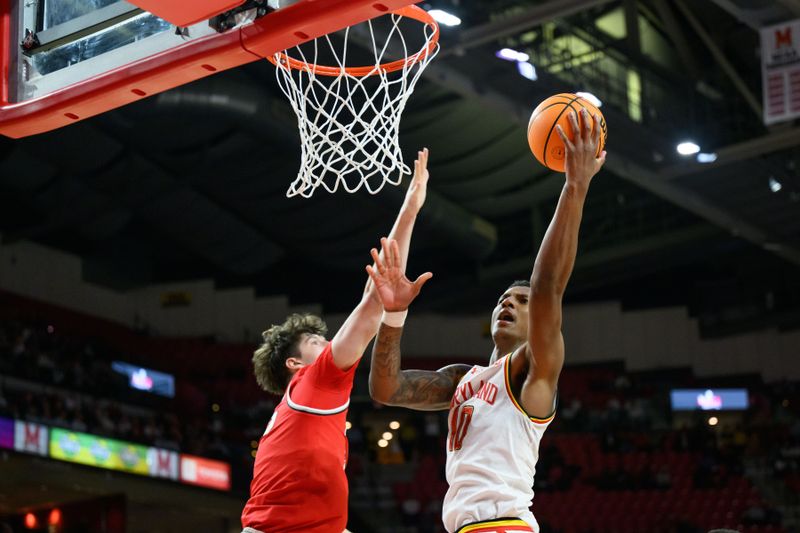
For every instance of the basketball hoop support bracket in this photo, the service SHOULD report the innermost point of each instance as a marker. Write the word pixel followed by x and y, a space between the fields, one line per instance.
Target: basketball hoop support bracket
pixel 309 20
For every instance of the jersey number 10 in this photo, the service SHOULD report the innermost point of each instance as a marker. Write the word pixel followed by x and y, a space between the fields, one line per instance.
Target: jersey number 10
pixel 459 424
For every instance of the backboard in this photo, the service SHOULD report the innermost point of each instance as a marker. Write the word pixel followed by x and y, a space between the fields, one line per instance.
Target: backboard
pixel 67 60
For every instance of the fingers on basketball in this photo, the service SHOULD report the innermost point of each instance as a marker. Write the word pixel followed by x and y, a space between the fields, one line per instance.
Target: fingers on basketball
pixel 577 137
pixel 588 127
pixel 561 133
pixel 547 143
pixel 597 130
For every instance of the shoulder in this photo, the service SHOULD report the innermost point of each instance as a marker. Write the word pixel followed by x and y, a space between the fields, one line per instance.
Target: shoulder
pixel 455 372
pixel 325 370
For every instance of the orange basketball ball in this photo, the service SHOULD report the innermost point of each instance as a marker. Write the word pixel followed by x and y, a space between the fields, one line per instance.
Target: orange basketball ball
pixel 543 138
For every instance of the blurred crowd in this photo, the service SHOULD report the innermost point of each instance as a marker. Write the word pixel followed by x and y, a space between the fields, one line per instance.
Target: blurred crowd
pixel 615 444
pixel 61 381
pixel 614 438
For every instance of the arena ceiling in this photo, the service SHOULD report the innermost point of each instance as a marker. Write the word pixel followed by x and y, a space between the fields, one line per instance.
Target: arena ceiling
pixel 191 183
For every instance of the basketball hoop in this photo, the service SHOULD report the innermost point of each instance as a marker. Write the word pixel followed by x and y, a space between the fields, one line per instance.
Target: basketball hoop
pixel 349 117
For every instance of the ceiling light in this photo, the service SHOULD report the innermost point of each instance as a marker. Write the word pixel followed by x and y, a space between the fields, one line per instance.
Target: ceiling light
pixel 394 424
pixel 706 158
pixel 713 421
pixel 688 148
pixel 387 436
pixel 510 54
pixel 775 185
pixel 443 17
pixel 595 101
pixel 527 70
pixel 383 443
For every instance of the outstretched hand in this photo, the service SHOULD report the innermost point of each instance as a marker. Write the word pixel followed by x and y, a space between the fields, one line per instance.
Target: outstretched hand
pixel 395 290
pixel 417 190
pixel 582 161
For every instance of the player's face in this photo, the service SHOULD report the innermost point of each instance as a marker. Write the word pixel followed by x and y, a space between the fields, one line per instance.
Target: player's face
pixel 510 315
pixel 310 347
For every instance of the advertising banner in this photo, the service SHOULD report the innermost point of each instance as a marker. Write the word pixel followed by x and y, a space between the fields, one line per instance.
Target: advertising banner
pixel 205 472
pixel 162 463
pixel 6 433
pixel 30 437
pixel 709 400
pixel 98 451
pixel 780 67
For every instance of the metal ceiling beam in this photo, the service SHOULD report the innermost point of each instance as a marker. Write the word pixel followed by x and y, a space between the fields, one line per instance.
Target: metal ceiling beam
pixel 745 18
pixel 522 199
pixel 659 242
pixel 517 23
pixel 758 18
pixel 628 170
pixel 677 36
pixel 698 205
pixel 720 58
pixel 593 258
pixel 766 144
pixel 631 10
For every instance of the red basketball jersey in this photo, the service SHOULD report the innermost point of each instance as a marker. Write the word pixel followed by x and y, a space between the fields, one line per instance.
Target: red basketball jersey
pixel 299 482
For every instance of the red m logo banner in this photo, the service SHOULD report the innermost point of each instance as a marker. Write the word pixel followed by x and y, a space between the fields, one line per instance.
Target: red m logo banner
pixel 783 37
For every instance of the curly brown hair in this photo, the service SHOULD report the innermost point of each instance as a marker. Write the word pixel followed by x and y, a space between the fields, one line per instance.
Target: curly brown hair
pixel 280 343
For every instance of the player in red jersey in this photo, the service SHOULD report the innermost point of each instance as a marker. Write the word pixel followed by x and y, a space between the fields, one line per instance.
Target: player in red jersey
pixel 299 484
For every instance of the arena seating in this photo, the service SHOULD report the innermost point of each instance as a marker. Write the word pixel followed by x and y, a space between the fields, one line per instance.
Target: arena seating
pixel 613 460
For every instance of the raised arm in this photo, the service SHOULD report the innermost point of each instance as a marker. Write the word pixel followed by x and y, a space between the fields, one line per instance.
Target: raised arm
pixel 417 389
pixel 414 200
pixel 554 264
pixel 360 327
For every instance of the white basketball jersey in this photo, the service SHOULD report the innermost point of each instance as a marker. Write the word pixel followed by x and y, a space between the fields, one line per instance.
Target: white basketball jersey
pixel 492 449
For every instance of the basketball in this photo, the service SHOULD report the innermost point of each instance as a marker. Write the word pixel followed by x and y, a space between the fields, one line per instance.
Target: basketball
pixel 546 145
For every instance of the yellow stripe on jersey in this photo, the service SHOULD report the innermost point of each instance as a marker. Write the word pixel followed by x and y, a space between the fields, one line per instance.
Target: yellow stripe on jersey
pixel 490 524
pixel 514 400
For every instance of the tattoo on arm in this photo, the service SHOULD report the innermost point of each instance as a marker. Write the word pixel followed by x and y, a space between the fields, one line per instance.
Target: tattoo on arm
pixel 425 390
pixel 386 352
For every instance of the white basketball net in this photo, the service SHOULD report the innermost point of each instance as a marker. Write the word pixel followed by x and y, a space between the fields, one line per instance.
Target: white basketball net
pixel 349 124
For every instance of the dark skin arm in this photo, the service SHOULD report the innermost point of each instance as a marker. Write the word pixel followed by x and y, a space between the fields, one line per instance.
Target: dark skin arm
pixel 544 351
pixel 424 390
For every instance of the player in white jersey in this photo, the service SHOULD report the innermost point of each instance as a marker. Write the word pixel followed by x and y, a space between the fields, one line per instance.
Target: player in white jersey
pixel 498 413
